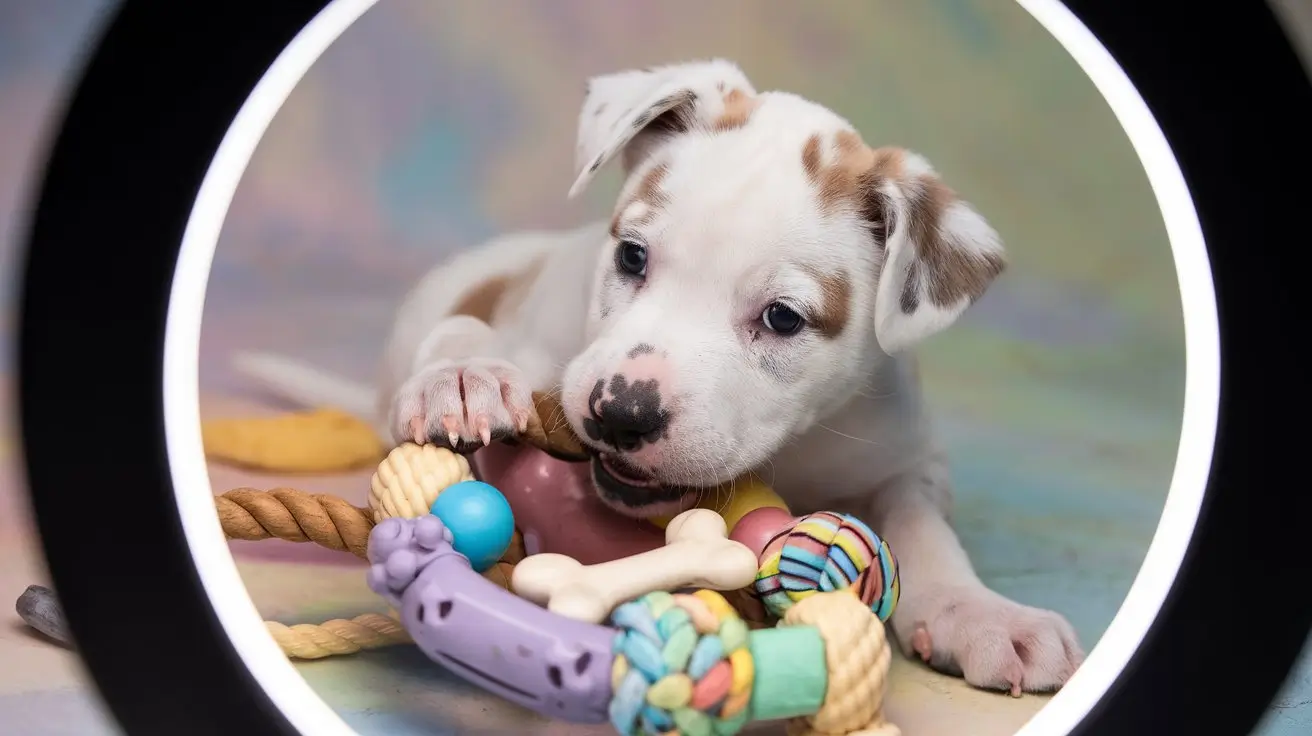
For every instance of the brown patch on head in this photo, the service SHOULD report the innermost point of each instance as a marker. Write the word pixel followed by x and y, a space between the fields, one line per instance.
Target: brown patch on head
pixel 649 189
pixel 835 302
pixel 738 109
pixel 649 192
pixel 495 297
pixel 955 273
pixel 852 178
pixel 481 300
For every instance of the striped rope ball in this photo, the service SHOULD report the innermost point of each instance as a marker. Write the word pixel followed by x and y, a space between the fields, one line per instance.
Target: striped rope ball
pixel 823 552
pixel 682 665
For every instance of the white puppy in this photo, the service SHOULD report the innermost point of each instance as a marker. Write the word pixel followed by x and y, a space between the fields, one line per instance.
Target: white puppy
pixel 748 307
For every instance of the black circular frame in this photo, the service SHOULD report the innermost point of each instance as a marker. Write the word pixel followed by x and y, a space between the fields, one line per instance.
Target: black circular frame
pixel 144 121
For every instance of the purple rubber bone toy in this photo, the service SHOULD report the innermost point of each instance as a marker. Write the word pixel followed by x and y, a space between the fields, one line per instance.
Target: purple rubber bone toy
pixel 555 666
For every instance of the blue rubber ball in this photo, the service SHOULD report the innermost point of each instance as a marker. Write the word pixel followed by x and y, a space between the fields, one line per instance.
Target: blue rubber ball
pixel 479 517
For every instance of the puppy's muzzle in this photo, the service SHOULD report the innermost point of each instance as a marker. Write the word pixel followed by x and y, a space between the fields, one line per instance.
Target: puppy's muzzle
pixel 630 417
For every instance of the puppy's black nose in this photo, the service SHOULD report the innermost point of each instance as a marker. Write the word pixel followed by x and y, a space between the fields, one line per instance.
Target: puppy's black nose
pixel 631 416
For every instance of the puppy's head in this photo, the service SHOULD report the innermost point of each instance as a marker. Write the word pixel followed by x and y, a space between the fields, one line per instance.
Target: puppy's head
pixel 761 261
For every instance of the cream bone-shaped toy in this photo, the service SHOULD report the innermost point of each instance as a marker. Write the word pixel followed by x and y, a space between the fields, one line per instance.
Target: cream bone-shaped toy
pixel 697 554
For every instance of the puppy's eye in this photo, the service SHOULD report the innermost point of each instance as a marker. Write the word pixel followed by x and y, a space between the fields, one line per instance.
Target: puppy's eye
pixel 781 319
pixel 631 258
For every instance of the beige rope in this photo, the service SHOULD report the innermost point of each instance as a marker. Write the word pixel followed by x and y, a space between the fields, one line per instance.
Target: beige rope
pixel 857 655
pixel 295 516
pixel 338 636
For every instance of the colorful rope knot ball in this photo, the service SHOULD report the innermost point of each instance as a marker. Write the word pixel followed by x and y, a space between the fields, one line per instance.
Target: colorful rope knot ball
pixel 682 665
pixel 824 552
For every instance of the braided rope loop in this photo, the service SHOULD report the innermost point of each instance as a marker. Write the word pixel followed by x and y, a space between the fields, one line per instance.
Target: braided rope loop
pixel 682 664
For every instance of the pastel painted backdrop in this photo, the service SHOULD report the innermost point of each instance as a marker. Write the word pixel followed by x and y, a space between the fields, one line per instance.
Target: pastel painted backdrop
pixel 419 134
pixel 431 126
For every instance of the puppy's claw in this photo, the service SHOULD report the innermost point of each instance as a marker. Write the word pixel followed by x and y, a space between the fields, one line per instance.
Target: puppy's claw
pixel 417 430
pixel 1016 677
pixel 484 430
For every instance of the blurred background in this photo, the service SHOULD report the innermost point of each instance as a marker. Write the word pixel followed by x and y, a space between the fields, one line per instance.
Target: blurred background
pixel 430 127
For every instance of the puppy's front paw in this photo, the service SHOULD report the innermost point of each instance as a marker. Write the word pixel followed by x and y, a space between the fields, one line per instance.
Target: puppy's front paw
pixel 993 642
pixel 462 405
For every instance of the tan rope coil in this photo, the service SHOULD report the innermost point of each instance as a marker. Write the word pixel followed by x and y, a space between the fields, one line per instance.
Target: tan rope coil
pixel 338 636
pixel 295 516
pixel 857 656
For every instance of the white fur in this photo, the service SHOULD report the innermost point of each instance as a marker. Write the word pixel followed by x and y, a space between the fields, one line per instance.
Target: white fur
pixel 832 422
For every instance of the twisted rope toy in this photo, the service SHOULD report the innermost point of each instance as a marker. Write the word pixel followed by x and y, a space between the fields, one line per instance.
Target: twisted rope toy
pixel 295 516
pixel 403 486
pixel 338 636
pixel 328 521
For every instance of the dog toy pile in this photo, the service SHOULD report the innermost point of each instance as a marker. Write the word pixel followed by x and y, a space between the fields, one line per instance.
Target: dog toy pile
pixel 660 663
pixel 650 642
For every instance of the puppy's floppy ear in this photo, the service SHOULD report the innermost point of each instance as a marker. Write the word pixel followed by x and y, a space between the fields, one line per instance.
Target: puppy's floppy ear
pixel 631 112
pixel 939 254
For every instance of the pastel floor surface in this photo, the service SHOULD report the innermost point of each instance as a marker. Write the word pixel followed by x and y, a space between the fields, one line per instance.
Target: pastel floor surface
pixel 400 693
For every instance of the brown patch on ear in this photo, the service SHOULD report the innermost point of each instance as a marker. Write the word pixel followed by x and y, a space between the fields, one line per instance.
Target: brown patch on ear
pixel 738 109
pixel 649 191
pixel 835 303
pixel 954 273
